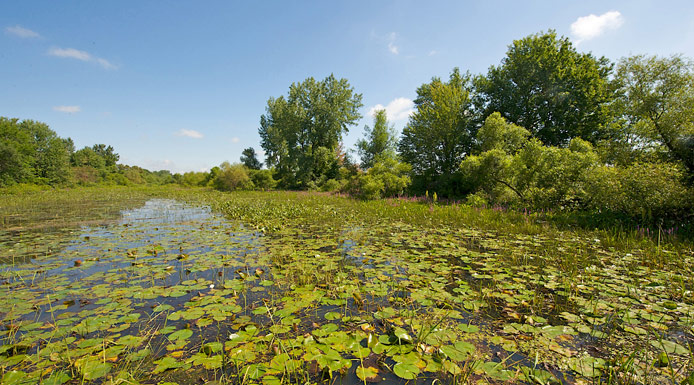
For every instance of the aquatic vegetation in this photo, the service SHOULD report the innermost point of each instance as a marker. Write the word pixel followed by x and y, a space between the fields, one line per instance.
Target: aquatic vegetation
pixel 286 287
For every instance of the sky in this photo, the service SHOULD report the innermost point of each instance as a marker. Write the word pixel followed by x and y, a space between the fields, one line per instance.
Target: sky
pixel 181 85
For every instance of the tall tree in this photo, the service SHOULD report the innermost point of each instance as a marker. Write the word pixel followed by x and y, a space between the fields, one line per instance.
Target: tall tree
pixel 442 129
pixel 546 86
pixel 250 159
pixel 301 133
pixel 378 142
pixel 656 96
pixel 108 153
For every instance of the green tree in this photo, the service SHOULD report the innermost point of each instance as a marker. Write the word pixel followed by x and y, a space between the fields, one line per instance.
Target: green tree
pixel 442 129
pixel 656 97
pixel 301 133
pixel 250 159
pixel 88 157
pixel 38 154
pixel 107 153
pixel 546 86
pixel 378 142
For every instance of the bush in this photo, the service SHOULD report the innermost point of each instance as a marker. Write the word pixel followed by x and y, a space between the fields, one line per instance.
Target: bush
pixel 262 179
pixel 387 178
pixel 232 177
pixel 646 191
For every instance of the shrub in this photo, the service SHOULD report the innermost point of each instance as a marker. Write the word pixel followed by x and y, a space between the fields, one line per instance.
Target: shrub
pixel 232 177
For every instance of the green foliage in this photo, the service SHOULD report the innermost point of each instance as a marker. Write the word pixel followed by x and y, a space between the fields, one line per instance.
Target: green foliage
pixel 442 129
pixel 546 86
pixel 88 157
pixel 514 169
pixel 387 178
pixel 497 133
pixel 378 142
pixel 656 96
pixel 193 178
pixel 250 159
pixel 262 179
pixel 232 177
pixel 301 133
pixel 646 191
pixel 34 153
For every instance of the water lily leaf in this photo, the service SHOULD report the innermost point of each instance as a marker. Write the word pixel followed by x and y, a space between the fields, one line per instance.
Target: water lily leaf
pixel 92 367
pixel 670 347
pixel 180 335
pixel 167 363
pixel 16 377
pixel 332 315
pixel 587 365
pixel 466 328
pixel 406 371
pixel 367 373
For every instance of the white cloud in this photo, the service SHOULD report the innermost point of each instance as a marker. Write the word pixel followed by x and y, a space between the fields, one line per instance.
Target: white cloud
pixel 22 32
pixel 67 109
pixel 433 52
pixel 591 26
pixel 391 44
pixel 189 133
pixel 106 64
pixel 70 53
pixel 235 139
pixel 397 109
pixel 81 55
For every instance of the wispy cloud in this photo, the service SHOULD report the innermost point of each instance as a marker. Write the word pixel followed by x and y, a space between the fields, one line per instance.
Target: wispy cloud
pixel 397 109
pixel 433 52
pixel 22 32
pixel 189 133
pixel 73 53
pixel 235 139
pixel 592 26
pixel 68 109
pixel 391 44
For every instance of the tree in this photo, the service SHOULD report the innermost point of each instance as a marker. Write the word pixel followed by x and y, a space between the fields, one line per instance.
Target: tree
pixel 656 96
pixel 38 154
pixel 442 129
pixel 88 157
pixel 546 86
pixel 378 142
pixel 301 133
pixel 107 153
pixel 250 159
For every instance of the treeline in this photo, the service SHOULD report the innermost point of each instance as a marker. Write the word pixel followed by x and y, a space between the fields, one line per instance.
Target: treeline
pixel 32 153
pixel 548 128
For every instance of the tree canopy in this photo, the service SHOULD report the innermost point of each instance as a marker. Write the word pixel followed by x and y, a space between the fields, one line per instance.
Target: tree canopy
pixel 656 97
pixel 250 159
pixel 301 133
pixel 378 142
pixel 442 129
pixel 546 86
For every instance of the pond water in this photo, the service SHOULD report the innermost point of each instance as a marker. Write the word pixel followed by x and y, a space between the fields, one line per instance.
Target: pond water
pixel 175 292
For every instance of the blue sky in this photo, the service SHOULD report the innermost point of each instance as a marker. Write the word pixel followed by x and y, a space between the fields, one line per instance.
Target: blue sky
pixel 181 85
